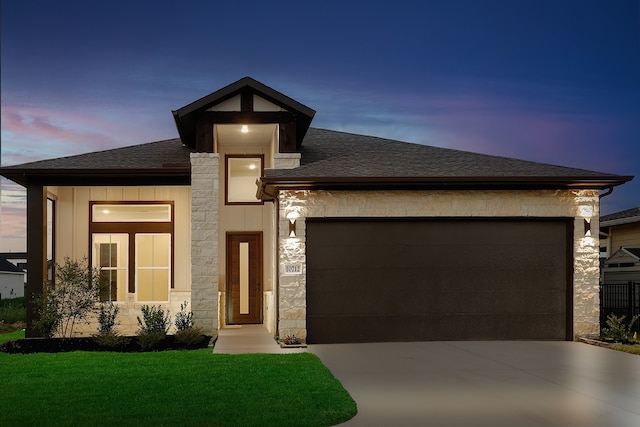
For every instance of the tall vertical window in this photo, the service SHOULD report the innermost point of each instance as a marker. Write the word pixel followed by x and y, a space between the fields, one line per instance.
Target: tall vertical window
pixel 110 253
pixel 153 267
pixel 132 244
pixel 242 174
pixel 51 240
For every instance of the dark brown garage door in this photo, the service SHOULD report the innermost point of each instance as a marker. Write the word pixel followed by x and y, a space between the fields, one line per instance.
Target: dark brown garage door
pixel 379 280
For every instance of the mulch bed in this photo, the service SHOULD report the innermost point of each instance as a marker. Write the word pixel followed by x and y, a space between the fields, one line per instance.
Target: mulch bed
pixel 129 344
pixel 11 327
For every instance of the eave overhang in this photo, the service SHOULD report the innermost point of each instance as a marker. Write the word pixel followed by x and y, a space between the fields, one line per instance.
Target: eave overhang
pixel 187 116
pixel 620 221
pixel 180 175
pixel 268 187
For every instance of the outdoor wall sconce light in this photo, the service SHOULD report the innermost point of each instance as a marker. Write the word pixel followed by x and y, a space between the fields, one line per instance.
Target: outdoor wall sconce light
pixel 292 227
pixel 587 227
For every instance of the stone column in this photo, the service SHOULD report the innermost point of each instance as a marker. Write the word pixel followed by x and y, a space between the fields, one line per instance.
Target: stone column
pixel 204 240
pixel 586 268
pixel 292 283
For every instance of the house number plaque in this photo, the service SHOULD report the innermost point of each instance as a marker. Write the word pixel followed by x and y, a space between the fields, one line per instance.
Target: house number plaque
pixel 292 269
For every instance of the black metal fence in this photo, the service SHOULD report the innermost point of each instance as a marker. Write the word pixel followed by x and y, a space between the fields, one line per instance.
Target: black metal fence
pixel 620 299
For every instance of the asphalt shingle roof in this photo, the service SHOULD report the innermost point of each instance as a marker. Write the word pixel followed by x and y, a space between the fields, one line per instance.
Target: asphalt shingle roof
pixel 629 213
pixel 327 153
pixel 152 155
pixel 8 267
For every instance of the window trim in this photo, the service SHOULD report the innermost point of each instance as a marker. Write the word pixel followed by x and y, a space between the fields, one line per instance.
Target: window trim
pixel 133 228
pixel 226 177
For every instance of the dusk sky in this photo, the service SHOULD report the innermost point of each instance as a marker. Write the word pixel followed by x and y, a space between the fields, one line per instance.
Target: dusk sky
pixel 548 81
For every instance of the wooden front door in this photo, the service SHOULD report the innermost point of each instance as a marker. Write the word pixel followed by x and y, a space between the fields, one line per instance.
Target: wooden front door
pixel 244 277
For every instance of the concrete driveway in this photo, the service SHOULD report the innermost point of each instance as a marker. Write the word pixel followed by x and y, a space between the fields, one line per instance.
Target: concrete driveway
pixel 510 383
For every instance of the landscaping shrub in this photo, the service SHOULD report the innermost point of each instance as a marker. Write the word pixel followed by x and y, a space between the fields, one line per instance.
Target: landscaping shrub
pixel 107 335
pixel 71 300
pixel 186 333
pixel 190 337
pixel 49 316
pixel 617 329
pixel 184 319
pixel 153 326
pixel 107 317
pixel 111 340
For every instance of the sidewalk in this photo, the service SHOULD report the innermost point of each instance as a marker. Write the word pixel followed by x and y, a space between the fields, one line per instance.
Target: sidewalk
pixel 249 339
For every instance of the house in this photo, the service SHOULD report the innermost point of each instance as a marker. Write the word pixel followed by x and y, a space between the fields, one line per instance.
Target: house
pixel 11 280
pixel 620 229
pixel 622 267
pixel 254 217
pixel 620 243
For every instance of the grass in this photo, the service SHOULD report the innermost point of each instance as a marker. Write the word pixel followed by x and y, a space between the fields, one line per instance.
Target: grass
pixel 195 388
pixel 13 310
pixel 11 336
pixel 627 348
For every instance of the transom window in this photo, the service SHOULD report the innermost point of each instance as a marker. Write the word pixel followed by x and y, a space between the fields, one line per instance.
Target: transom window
pixel 132 244
pixel 242 174
pixel 105 212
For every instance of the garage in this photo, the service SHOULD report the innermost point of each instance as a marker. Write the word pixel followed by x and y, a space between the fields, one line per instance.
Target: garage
pixel 377 280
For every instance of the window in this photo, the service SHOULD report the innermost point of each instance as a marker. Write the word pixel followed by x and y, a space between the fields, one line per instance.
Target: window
pixel 153 267
pixel 110 254
pixel 242 174
pixel 104 212
pixel 51 240
pixel 132 244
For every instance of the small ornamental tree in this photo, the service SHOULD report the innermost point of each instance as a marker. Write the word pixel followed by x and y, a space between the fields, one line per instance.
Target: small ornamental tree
pixel 70 300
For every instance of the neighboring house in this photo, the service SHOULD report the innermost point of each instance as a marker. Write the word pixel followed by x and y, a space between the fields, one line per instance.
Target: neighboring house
pixel 252 216
pixel 620 239
pixel 19 259
pixel 622 267
pixel 620 229
pixel 11 280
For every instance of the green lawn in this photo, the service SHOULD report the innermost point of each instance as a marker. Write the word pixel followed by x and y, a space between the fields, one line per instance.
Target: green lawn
pixel 11 336
pixel 12 310
pixel 194 388
pixel 627 348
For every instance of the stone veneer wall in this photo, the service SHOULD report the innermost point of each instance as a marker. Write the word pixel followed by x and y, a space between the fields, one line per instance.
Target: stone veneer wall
pixel 204 239
pixel 578 204
pixel 127 319
pixel 286 160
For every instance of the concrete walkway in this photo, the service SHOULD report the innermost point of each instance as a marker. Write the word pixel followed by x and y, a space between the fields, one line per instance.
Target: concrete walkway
pixel 493 384
pixel 249 339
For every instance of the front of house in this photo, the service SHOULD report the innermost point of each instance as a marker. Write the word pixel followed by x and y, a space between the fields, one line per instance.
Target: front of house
pixel 254 217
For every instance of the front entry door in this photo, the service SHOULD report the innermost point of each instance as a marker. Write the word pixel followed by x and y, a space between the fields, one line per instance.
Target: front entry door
pixel 244 277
